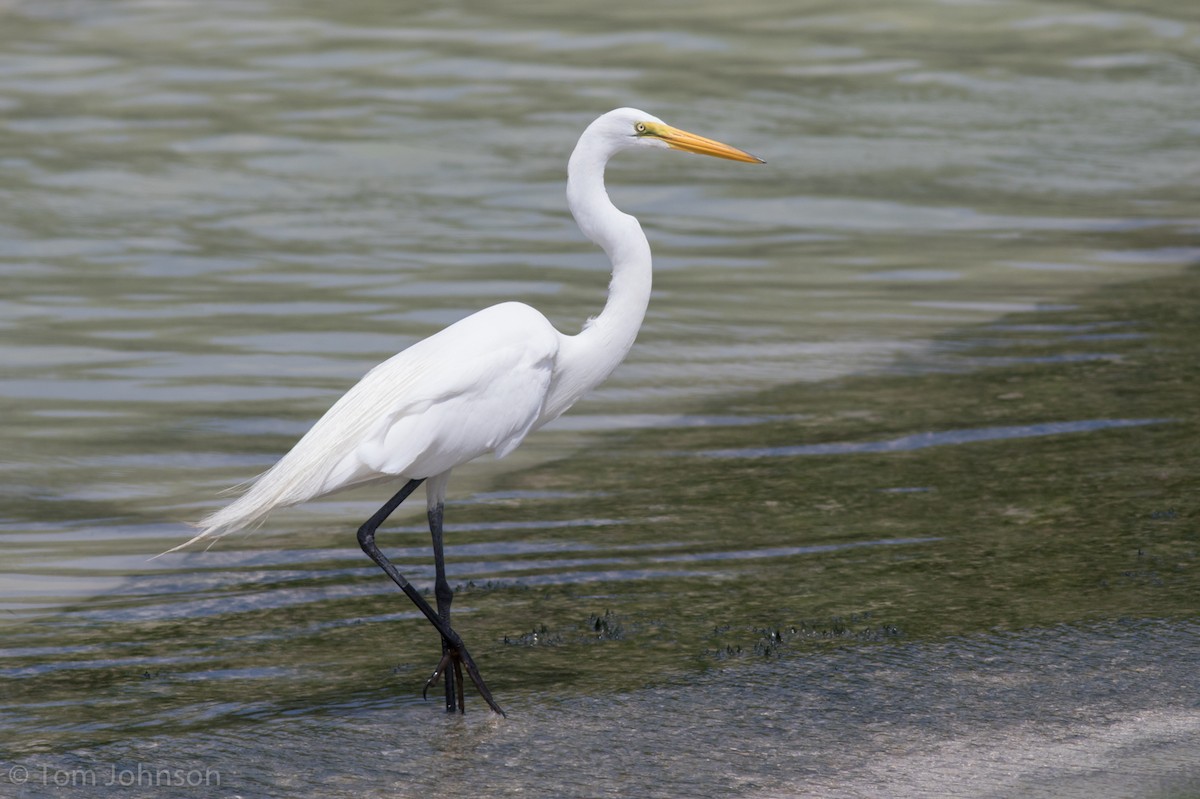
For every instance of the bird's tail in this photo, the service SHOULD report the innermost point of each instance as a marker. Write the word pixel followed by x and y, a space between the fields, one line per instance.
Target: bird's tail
pixel 291 481
pixel 269 491
pixel 317 465
pixel 237 515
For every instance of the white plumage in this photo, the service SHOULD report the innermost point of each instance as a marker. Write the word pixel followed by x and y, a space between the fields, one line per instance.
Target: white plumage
pixel 481 385
pixel 417 414
pixel 484 383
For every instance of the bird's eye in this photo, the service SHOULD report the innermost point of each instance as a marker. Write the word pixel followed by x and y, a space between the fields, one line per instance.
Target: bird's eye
pixel 640 128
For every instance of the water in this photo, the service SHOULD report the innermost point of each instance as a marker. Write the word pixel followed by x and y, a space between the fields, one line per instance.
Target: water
pixel 959 280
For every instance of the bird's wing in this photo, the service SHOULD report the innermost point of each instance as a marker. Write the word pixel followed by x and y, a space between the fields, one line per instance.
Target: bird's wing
pixel 483 393
pixel 474 387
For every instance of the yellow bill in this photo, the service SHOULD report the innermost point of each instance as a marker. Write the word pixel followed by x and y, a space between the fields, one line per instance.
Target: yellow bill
pixel 690 142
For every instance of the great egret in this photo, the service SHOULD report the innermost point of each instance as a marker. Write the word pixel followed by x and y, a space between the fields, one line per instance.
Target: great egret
pixel 481 385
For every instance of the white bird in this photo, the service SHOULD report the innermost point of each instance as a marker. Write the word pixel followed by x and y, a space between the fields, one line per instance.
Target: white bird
pixel 480 385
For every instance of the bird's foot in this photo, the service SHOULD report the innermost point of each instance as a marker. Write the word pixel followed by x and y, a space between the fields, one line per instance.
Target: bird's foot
pixel 458 657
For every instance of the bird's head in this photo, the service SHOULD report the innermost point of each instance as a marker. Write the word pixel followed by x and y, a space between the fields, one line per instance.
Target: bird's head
pixel 629 127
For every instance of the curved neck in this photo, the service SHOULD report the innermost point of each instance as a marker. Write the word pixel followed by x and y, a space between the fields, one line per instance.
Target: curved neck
pixel 585 359
pixel 621 237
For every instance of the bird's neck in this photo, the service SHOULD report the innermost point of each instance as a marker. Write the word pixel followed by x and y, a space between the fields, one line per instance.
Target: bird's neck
pixel 585 359
pixel 608 337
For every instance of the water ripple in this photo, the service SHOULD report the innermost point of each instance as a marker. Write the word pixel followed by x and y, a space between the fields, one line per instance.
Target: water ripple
pixel 931 439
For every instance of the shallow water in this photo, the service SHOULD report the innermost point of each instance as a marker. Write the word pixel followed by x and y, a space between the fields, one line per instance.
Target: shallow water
pixel 980 716
pixel 919 387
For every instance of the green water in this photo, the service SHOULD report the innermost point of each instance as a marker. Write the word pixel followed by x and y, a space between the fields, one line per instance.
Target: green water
pixel 1036 530
pixel 719 564
pixel 894 496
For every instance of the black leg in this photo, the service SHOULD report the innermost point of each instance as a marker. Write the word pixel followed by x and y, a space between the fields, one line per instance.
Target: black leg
pixel 456 651
pixel 441 590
